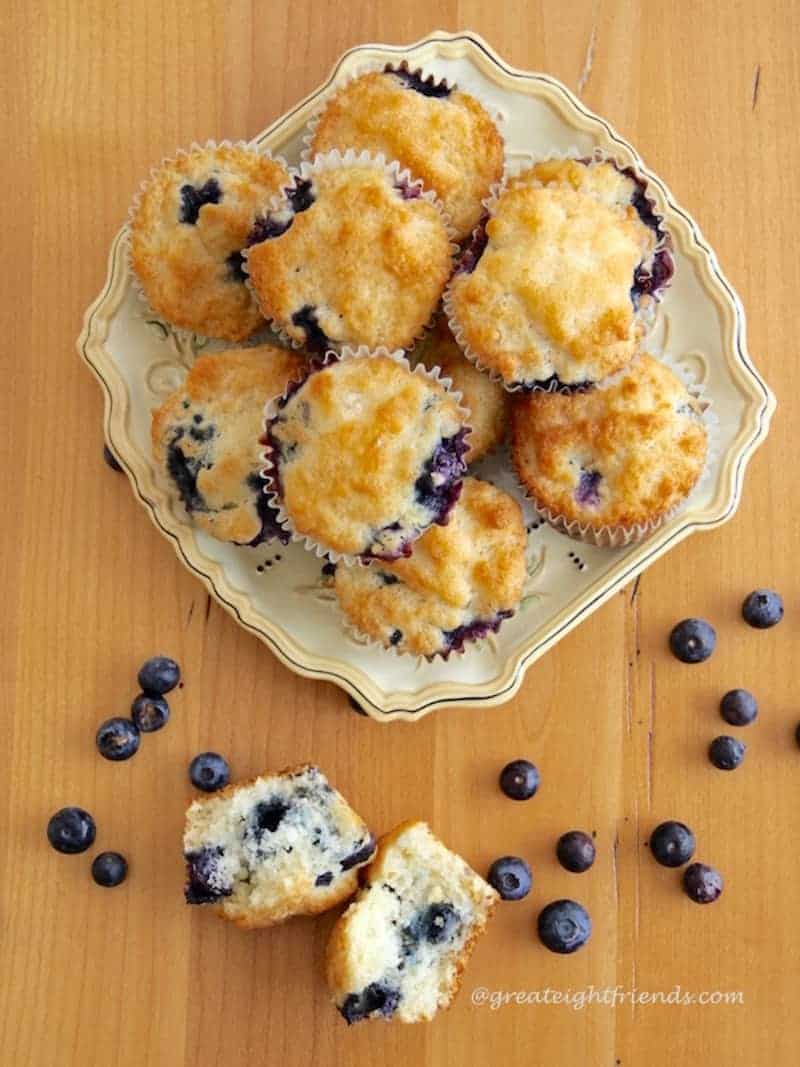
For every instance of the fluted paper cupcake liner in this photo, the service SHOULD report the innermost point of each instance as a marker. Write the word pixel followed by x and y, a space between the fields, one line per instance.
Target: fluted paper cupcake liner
pixel 274 406
pixel 332 161
pixel 181 332
pixel 646 315
pixel 618 535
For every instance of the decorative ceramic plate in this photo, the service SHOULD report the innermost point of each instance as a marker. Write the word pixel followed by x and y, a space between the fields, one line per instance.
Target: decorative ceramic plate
pixel 278 593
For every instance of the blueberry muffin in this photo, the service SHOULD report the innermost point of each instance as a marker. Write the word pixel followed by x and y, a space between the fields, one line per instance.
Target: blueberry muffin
pixel 353 255
pixel 206 440
pixel 561 281
pixel 441 134
pixel 400 949
pixel 486 401
pixel 621 457
pixel 366 454
pixel 188 228
pixel 459 584
pixel 280 845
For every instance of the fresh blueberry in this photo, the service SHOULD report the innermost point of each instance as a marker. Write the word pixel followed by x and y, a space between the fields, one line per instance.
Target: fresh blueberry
pixel 564 926
pixel 109 869
pixel 194 197
pixel 118 738
pixel 738 707
pixel 111 459
pixel 375 999
pixel 511 877
pixel 672 843
pixel 71 830
pixel 693 640
pixel 159 675
pixel 575 851
pixel 726 753
pixel 519 779
pixel 209 772
pixel 150 712
pixel 762 608
pixel 702 884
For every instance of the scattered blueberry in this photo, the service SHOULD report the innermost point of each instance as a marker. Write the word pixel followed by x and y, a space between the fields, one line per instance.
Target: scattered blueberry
pixel 575 851
pixel 150 712
pixel 511 877
pixel 693 640
pixel 111 459
pixel 519 779
pixel 564 926
pixel 118 738
pixel 726 753
pixel 762 608
pixel 71 830
pixel 702 884
pixel 209 772
pixel 109 869
pixel 672 843
pixel 738 707
pixel 159 675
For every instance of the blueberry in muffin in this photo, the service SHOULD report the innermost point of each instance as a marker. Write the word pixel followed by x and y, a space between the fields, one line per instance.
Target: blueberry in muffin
pixel 206 440
pixel 353 254
pixel 188 228
pixel 280 845
pixel 622 457
pixel 461 581
pixel 441 134
pixel 486 401
pixel 400 949
pixel 366 454
pixel 562 278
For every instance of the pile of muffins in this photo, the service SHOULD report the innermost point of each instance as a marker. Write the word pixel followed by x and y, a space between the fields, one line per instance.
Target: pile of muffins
pixel 422 303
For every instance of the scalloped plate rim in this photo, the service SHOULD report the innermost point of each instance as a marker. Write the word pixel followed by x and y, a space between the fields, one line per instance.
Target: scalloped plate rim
pixel 377 703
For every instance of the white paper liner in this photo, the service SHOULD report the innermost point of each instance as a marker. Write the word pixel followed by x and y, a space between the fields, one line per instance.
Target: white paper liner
pixel 371 67
pixel 331 161
pixel 619 536
pixel 274 406
pixel 646 315
pixel 182 332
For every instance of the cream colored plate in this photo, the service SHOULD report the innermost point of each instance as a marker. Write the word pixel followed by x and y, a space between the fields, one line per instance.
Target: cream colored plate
pixel 138 360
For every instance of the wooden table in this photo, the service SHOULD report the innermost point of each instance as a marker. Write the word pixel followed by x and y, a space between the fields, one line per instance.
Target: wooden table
pixel 96 92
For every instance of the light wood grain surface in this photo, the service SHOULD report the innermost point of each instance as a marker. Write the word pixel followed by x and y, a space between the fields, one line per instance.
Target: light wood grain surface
pixel 93 93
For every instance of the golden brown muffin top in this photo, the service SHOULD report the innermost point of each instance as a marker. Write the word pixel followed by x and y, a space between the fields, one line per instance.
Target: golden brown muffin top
pixel 361 262
pixel 206 436
pixel 550 294
pixel 621 455
pixel 447 140
pixel 192 220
